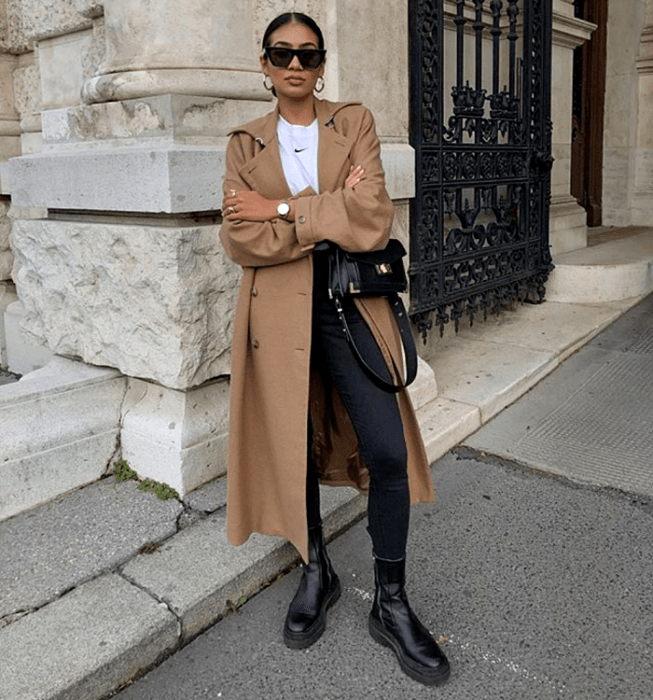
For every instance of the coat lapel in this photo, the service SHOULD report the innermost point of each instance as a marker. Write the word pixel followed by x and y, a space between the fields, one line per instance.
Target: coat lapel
pixel 333 150
pixel 264 171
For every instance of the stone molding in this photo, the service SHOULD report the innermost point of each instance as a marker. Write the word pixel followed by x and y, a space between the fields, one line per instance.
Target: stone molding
pixel 570 32
pixel 6 257
pixel 180 119
pixel 171 179
pixel 645 61
pixel 237 85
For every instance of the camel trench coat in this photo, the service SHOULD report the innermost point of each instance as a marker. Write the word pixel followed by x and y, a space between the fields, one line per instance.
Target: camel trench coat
pixel 272 387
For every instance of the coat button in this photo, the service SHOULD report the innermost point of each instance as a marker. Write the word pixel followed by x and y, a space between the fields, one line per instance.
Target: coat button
pixel 302 219
pixel 254 292
pixel 255 344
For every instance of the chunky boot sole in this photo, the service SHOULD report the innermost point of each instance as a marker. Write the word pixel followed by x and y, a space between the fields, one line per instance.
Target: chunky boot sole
pixel 419 673
pixel 305 639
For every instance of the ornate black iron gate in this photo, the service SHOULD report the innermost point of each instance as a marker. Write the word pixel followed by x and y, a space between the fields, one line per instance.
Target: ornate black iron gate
pixel 481 130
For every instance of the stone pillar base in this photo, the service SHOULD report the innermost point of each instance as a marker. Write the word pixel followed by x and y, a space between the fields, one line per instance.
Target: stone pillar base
pixel 160 154
pixel 154 301
pixel 568 226
pixel 424 389
pixel 176 437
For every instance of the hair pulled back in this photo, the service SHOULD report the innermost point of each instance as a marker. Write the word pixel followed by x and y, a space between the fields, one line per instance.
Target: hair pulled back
pixel 290 18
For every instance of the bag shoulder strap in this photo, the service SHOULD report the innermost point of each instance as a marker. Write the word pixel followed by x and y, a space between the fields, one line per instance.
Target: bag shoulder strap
pixel 407 340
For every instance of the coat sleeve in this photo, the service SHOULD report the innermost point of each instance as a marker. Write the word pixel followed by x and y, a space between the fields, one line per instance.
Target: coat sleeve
pixel 358 219
pixel 255 243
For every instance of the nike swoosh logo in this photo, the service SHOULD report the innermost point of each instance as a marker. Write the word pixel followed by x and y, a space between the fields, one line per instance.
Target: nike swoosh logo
pixel 299 150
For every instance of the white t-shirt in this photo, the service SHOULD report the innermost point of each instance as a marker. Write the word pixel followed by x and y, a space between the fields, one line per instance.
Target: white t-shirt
pixel 298 149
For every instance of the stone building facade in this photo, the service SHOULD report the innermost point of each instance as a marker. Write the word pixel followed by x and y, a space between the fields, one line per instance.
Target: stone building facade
pixel 114 118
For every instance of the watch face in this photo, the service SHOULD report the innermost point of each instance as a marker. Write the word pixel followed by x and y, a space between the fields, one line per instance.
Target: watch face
pixel 283 209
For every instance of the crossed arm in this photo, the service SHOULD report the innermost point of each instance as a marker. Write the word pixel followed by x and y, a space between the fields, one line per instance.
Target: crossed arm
pixel 249 205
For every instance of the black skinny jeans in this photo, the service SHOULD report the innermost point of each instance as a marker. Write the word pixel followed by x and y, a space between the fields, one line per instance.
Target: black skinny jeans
pixel 375 416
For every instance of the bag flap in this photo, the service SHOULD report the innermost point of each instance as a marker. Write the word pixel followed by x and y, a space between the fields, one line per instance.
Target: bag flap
pixel 391 253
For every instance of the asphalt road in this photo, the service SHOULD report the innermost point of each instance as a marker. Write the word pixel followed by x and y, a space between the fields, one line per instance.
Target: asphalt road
pixel 542 590
pixel 534 567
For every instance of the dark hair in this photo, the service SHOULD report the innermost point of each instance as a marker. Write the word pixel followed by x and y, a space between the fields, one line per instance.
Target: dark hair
pixel 289 18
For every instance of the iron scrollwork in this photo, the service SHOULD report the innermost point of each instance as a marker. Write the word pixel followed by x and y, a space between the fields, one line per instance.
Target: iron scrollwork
pixel 479 221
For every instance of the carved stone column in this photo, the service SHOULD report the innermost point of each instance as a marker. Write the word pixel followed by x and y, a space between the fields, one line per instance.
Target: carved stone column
pixel 201 47
pixel 126 270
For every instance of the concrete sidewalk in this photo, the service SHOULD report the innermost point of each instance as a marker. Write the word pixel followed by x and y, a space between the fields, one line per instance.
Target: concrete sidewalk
pixel 106 581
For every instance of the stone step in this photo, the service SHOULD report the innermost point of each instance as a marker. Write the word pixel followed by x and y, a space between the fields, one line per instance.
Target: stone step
pixel 612 271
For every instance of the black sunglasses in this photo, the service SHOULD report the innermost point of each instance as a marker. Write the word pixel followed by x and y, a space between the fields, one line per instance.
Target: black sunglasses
pixel 281 57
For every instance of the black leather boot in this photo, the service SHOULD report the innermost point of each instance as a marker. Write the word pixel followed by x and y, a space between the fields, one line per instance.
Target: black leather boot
pixel 393 624
pixel 318 590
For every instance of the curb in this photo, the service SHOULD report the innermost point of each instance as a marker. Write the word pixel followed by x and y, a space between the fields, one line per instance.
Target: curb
pixel 108 632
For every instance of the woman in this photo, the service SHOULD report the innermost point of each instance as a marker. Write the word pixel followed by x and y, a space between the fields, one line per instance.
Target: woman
pixel 302 409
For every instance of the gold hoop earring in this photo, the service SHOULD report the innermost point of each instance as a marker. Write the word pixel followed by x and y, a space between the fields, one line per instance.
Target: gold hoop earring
pixel 321 85
pixel 270 87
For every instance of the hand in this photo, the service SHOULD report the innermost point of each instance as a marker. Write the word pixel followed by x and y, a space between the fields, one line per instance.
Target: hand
pixel 247 205
pixel 355 176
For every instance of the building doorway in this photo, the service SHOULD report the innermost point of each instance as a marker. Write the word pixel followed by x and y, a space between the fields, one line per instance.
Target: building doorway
pixel 588 112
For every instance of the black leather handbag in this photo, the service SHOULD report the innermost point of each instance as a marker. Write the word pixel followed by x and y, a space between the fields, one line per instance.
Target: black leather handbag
pixel 374 273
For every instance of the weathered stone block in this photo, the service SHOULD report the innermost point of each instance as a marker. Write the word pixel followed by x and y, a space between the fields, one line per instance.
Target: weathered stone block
pixel 12 36
pixel 176 437
pixel 89 8
pixel 22 357
pixel 155 302
pixel 27 90
pixel 62 68
pixel 7 297
pixel 152 179
pixel 45 18
pixel 170 118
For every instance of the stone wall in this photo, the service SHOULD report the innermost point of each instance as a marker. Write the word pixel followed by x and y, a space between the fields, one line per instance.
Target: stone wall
pixel 643 196
pixel 622 110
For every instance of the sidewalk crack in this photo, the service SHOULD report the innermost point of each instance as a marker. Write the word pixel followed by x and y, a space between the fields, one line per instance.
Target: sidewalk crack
pixel 159 599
